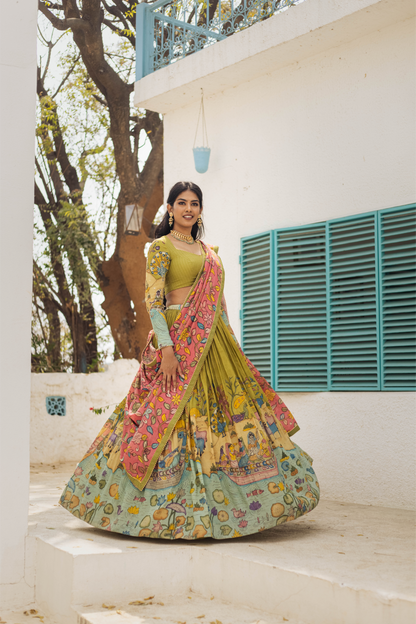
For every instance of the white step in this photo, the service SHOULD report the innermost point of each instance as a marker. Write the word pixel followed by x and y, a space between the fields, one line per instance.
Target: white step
pixel 188 608
pixel 341 564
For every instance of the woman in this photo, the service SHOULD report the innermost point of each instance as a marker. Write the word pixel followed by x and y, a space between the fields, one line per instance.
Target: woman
pixel 201 445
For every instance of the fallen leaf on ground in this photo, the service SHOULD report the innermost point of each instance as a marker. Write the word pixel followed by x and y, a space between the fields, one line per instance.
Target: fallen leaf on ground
pixel 150 597
pixel 132 546
pixel 189 597
pixel 341 553
pixel 199 616
pixel 161 603
pixel 104 606
pixel 137 602
pixel 212 598
pixel 89 539
pixel 30 612
pixel 51 528
pixel 360 535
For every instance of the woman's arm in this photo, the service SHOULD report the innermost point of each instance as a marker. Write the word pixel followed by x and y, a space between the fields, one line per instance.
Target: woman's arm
pixel 158 262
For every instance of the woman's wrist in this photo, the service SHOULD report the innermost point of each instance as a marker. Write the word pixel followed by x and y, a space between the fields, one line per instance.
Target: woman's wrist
pixel 167 350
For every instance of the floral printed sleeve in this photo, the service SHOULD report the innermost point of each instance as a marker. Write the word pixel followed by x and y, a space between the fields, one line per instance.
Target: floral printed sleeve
pixel 158 261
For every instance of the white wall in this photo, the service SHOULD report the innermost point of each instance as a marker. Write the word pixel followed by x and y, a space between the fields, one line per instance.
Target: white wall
pixel 17 136
pixel 329 136
pixel 57 439
pixel 362 443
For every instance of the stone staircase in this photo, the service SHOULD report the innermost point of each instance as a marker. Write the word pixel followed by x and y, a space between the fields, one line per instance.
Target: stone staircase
pixel 341 564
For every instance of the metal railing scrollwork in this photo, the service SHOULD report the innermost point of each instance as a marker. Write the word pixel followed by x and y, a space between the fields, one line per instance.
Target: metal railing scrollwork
pixel 168 31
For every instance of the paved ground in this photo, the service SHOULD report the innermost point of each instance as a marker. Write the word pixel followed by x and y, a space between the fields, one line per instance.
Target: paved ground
pixel 359 546
pixel 368 547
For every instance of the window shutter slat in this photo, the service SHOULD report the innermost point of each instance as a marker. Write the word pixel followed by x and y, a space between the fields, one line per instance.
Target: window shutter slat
pixel 398 310
pixel 301 341
pixel 256 263
pixel 353 304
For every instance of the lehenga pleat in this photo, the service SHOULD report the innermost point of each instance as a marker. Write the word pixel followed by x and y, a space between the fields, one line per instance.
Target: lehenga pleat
pixel 229 468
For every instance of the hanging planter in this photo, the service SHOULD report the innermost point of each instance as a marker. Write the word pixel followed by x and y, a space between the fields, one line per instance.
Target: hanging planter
pixel 202 154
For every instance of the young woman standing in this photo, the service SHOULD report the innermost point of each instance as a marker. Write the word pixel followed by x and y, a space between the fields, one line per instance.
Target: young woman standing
pixel 201 445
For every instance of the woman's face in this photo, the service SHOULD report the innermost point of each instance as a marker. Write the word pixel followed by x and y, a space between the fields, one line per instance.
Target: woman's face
pixel 185 209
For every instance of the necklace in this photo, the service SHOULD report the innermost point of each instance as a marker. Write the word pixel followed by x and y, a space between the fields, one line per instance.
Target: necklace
pixel 187 238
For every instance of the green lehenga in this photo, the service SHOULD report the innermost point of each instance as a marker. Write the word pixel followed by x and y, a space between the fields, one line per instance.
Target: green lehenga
pixel 215 478
pixel 229 468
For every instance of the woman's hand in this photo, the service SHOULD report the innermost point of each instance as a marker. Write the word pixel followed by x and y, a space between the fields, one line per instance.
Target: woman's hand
pixel 169 368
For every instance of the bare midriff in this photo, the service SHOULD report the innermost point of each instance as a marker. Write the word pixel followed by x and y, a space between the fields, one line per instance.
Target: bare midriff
pixel 177 297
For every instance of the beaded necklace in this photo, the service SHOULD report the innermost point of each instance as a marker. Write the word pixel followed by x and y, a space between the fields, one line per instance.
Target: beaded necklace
pixel 187 238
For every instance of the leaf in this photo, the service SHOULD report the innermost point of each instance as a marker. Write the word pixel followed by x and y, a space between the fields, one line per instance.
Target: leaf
pixel 104 606
pixel 137 602
pixel 150 598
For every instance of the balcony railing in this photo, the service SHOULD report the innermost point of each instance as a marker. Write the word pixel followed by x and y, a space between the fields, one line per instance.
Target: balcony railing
pixel 167 30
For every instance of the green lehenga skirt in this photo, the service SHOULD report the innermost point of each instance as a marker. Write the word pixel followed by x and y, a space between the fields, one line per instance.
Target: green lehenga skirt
pixel 229 468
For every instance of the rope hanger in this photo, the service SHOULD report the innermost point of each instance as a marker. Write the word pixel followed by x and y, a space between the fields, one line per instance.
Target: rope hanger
pixel 201 116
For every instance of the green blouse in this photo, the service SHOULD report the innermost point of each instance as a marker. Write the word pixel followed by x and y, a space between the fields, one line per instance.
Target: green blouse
pixel 168 268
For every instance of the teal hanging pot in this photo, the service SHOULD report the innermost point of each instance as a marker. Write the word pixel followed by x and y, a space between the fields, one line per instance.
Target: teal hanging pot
pixel 201 154
pixel 201 158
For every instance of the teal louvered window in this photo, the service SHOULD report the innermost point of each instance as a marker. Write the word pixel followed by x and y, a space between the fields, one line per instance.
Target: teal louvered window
pixel 331 306
pixel 257 279
pixel 397 279
pixel 301 340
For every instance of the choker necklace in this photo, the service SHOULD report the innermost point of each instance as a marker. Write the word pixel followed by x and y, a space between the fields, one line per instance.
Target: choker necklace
pixel 187 238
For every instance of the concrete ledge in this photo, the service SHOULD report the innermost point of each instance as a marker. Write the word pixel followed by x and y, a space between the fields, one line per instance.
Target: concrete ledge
pixel 341 564
pixel 300 32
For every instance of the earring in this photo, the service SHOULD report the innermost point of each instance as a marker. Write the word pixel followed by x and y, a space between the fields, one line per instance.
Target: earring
pixel 170 219
pixel 199 221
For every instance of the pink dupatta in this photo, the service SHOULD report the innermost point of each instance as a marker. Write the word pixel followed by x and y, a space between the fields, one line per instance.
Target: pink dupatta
pixel 151 414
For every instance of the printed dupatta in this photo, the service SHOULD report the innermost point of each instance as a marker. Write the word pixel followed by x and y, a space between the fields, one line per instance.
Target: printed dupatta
pixel 151 414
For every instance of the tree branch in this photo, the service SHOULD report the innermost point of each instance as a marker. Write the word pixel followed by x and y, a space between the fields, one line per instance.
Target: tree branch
pixel 65 78
pixel 100 100
pixel 120 32
pixel 59 24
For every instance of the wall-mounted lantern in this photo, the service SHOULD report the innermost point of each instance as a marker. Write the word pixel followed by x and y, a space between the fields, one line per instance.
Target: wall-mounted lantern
pixel 202 153
pixel 133 219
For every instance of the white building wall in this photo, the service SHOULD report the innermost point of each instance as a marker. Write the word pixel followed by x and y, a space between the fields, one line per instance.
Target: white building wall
pixel 330 136
pixel 58 439
pixel 17 138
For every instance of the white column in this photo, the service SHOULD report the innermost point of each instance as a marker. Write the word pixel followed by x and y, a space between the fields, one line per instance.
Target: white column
pixel 17 139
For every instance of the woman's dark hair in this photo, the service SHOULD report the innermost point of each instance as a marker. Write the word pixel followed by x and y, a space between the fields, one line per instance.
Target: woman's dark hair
pixel 164 228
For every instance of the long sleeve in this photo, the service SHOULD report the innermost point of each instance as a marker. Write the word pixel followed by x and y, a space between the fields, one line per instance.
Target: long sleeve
pixel 158 261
